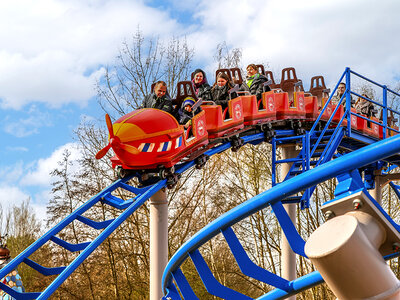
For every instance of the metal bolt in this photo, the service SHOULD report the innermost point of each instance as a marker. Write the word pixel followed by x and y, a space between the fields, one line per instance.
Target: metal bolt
pixel 357 204
pixel 396 247
pixel 329 214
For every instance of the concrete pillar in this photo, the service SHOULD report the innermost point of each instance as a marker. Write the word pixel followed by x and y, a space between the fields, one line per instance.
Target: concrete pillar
pixel 288 257
pixel 376 193
pixel 345 251
pixel 158 242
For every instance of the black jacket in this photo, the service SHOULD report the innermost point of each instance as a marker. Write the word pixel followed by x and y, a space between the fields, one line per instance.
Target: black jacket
pixel 204 92
pixel 184 116
pixel 164 103
pixel 256 87
pixel 220 95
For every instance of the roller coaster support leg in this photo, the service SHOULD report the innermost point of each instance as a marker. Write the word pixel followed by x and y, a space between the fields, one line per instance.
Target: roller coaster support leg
pixel 288 257
pixel 158 242
pixel 376 193
pixel 345 251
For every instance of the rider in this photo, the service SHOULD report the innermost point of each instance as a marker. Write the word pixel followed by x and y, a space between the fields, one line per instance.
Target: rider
pixel 254 82
pixel 159 98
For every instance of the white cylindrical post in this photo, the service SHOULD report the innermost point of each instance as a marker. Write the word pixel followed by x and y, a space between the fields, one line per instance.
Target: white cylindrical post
pixel 288 257
pixel 345 251
pixel 376 193
pixel 158 242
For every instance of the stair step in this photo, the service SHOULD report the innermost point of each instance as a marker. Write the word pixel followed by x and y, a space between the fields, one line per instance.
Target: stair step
pixel 288 160
pixel 70 247
pixel 115 201
pixel 312 162
pixel 94 224
pixel 43 270
pixel 17 295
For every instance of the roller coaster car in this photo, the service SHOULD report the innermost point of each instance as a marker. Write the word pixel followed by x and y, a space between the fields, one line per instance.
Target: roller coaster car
pixel 391 121
pixel 254 111
pixel 217 124
pixel 310 102
pixel 286 109
pixel 289 99
pixel 339 114
pixel 152 139
pixel 368 128
pixel 261 111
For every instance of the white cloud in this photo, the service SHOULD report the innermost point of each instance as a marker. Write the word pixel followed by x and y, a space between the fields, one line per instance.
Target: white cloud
pixel 316 37
pixel 14 196
pixel 10 196
pixel 38 174
pixel 17 149
pixel 21 181
pixel 11 174
pixel 28 125
pixel 53 50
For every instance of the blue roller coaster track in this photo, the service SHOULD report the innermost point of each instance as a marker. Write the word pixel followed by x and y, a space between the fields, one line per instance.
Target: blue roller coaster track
pixel 333 151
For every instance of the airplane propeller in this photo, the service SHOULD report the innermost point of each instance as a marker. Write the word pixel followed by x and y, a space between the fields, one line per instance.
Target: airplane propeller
pixel 115 142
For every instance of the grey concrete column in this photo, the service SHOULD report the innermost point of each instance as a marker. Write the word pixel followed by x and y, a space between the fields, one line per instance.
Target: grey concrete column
pixel 288 257
pixel 158 242
pixel 376 193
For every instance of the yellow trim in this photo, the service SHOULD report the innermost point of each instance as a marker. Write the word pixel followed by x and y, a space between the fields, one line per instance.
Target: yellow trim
pixel 141 134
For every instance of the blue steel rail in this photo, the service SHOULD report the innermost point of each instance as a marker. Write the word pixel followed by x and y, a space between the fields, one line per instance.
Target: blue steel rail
pixel 173 277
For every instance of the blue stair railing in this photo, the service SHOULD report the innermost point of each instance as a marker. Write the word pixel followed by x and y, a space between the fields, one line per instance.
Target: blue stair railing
pixel 312 141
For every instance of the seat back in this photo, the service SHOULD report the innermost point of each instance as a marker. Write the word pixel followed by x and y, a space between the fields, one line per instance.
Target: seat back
pixel 270 76
pixel 318 88
pixel 236 76
pixel 260 69
pixel 226 71
pixel 184 89
pixel 288 81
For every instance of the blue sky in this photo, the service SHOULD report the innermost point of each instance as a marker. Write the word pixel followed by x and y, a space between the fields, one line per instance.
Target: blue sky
pixel 52 52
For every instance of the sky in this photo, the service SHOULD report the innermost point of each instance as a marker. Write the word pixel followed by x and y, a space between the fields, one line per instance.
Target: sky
pixel 52 52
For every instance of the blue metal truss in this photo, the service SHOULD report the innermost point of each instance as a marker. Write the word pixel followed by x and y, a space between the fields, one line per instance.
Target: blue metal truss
pixel 343 167
pixel 319 147
pixel 106 227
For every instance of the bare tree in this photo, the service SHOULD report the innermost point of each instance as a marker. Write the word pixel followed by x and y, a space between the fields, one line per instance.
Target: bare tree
pixel 140 63
pixel 226 57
